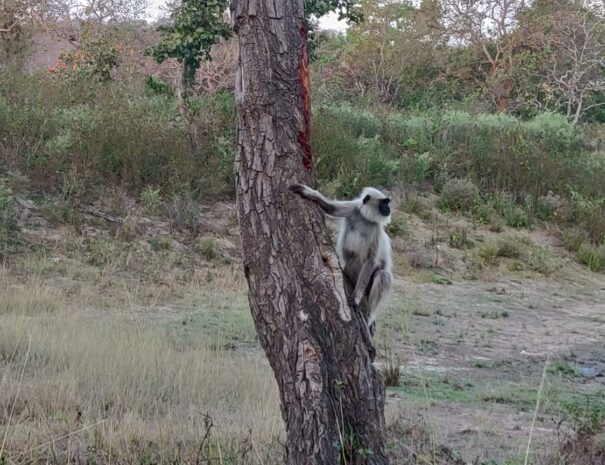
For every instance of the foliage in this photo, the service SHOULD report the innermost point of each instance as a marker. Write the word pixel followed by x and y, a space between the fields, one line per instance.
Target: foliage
pixel 156 85
pixel 196 25
pixel 346 9
pixel 96 57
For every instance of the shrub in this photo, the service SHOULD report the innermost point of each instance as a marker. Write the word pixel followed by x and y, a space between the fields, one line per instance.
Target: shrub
pixel 208 249
pixel 422 167
pixel 507 247
pixel 411 132
pixel 548 206
pixel 487 215
pixel 573 239
pixel 154 84
pixel 590 215
pixel 359 122
pixel 457 194
pixel 516 217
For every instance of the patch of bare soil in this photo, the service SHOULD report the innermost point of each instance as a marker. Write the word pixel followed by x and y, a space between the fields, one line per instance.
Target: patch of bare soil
pixel 493 339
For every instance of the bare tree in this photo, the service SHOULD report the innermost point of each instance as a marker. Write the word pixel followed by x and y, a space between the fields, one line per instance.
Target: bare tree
pixel 573 44
pixel 104 11
pixel 488 25
pixel 332 398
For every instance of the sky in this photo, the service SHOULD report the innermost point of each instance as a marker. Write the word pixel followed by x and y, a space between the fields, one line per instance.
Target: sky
pixel 330 21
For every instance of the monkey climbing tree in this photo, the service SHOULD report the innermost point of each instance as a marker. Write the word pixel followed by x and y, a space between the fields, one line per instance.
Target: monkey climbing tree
pixel 332 398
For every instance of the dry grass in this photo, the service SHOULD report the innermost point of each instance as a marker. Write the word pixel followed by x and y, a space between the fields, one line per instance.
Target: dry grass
pixel 143 351
pixel 102 386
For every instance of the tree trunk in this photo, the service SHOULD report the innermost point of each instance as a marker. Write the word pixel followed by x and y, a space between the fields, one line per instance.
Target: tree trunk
pixel 332 398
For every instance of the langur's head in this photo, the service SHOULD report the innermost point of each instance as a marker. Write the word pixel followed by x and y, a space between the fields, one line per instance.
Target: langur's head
pixel 375 206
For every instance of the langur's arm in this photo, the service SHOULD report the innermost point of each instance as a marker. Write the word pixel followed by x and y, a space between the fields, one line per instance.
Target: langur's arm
pixel 338 208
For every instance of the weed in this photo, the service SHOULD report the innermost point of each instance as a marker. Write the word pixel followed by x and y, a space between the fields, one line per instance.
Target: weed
pixel 425 345
pixel 541 261
pixel 161 243
pixel 422 311
pixel 417 205
pixel 493 314
pixel 515 265
pixel 151 200
pixel 509 247
pixel 573 239
pixel 437 278
pixel 391 371
pixel 593 257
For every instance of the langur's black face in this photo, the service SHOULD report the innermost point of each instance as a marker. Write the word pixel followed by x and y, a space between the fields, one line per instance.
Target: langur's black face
pixel 383 207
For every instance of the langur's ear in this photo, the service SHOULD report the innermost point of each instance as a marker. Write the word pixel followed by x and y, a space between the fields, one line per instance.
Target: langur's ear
pixel 366 199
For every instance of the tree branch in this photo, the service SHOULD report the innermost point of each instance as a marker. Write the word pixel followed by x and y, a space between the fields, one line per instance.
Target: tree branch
pixel 12 26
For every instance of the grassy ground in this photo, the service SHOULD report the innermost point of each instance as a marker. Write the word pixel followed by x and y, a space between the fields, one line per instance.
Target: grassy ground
pixel 131 342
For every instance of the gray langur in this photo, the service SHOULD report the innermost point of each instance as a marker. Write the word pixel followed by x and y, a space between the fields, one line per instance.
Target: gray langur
pixel 363 247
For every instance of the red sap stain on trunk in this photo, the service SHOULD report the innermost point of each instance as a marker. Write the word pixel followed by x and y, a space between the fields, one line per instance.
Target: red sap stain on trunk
pixel 304 136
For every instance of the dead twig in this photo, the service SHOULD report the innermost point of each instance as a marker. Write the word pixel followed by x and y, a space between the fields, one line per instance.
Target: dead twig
pixel 100 214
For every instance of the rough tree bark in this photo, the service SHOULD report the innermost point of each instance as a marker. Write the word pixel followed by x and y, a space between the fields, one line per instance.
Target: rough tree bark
pixel 332 398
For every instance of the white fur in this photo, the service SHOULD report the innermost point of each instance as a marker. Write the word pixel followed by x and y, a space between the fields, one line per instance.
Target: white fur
pixel 368 211
pixel 369 244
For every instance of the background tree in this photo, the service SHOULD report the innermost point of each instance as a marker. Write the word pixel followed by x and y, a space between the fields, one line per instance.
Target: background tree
pixel 332 398
pixel 487 25
pixel 195 26
pixel 564 67
pixel 395 44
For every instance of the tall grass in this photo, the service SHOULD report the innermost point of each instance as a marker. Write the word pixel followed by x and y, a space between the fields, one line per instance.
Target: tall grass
pixel 104 388
pixel 106 134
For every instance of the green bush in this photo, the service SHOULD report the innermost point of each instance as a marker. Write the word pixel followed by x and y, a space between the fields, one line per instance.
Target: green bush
pixel 359 122
pixel 516 217
pixel 590 215
pixel 155 85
